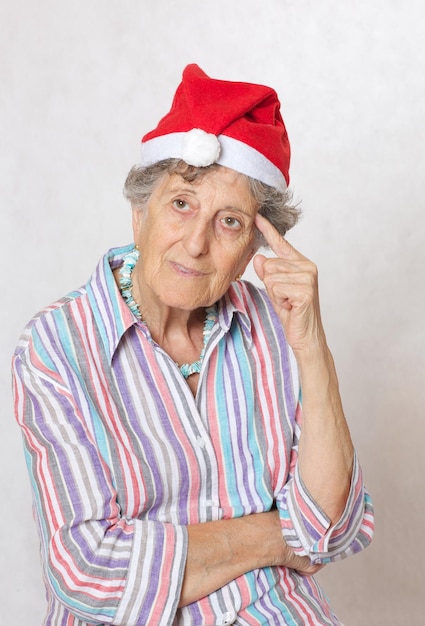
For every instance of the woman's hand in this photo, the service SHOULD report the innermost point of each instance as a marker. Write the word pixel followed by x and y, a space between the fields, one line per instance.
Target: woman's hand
pixel 292 285
pixel 284 554
pixel 264 532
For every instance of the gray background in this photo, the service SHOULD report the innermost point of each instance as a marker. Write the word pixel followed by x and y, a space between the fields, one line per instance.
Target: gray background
pixel 82 81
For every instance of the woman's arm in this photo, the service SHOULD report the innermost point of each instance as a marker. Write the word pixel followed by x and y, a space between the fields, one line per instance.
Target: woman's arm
pixel 219 552
pixel 325 455
pixel 325 451
pixel 99 565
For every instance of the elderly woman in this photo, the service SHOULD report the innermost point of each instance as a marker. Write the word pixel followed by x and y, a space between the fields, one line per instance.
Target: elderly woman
pixel 179 475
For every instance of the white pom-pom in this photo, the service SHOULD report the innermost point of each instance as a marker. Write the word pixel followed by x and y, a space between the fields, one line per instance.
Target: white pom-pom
pixel 200 148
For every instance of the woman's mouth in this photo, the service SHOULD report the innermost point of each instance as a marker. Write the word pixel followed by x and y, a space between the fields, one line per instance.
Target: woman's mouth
pixel 187 272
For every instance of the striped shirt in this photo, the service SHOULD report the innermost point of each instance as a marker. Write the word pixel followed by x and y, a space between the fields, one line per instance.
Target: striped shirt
pixel 122 457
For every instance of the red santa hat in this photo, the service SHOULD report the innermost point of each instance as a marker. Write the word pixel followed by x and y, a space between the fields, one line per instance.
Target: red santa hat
pixel 234 124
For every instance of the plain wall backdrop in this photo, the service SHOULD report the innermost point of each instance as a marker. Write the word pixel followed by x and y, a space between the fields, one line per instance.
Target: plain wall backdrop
pixel 82 81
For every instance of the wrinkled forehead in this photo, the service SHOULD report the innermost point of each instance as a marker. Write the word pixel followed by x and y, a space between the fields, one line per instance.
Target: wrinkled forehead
pixel 232 187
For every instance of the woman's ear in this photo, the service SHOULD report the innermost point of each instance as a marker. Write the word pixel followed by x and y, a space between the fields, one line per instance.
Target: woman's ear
pixel 137 214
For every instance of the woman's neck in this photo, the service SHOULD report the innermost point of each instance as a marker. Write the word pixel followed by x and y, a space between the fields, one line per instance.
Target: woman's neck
pixel 167 323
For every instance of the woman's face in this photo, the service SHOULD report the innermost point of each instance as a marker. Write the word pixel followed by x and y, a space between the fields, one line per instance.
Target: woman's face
pixel 194 238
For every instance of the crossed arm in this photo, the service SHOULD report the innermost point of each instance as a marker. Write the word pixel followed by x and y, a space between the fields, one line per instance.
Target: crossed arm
pixel 221 551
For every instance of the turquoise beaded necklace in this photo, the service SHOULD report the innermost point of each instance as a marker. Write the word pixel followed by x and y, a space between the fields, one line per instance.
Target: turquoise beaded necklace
pixel 126 288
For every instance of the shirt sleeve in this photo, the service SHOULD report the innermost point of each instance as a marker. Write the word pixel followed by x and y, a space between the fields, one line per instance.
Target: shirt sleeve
pixel 308 530
pixel 104 568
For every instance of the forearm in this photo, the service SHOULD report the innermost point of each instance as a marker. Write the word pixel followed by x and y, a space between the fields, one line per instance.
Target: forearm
pixel 325 452
pixel 221 551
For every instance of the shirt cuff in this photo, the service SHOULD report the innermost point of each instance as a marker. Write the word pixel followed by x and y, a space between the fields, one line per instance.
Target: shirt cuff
pixel 307 528
pixel 155 575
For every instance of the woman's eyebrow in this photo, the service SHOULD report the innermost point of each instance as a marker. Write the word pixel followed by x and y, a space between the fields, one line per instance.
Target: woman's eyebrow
pixel 181 188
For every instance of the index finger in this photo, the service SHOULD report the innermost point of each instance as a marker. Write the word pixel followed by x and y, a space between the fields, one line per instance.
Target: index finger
pixel 280 246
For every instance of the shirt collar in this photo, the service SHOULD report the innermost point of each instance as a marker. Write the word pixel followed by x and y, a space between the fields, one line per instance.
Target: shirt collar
pixel 234 303
pixel 112 315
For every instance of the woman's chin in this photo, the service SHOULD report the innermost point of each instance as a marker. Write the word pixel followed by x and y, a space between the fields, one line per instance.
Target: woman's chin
pixel 186 301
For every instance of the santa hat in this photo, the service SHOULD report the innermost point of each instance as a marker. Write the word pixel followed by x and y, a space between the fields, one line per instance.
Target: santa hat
pixel 234 124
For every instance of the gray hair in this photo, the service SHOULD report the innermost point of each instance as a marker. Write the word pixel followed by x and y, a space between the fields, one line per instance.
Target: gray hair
pixel 275 205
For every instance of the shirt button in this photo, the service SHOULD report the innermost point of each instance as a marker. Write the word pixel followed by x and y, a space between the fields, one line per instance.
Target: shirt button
pixel 227 618
pixel 201 442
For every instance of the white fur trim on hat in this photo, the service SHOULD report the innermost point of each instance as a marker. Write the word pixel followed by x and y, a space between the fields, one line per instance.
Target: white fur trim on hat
pixel 241 157
pixel 234 154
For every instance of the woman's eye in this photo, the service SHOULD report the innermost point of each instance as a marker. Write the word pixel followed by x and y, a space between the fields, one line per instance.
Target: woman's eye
pixel 231 222
pixel 181 205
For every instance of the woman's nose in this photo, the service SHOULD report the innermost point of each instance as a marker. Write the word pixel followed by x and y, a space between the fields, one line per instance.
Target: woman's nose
pixel 196 236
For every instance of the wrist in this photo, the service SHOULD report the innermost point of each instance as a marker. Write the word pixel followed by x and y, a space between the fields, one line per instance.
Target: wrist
pixel 315 362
